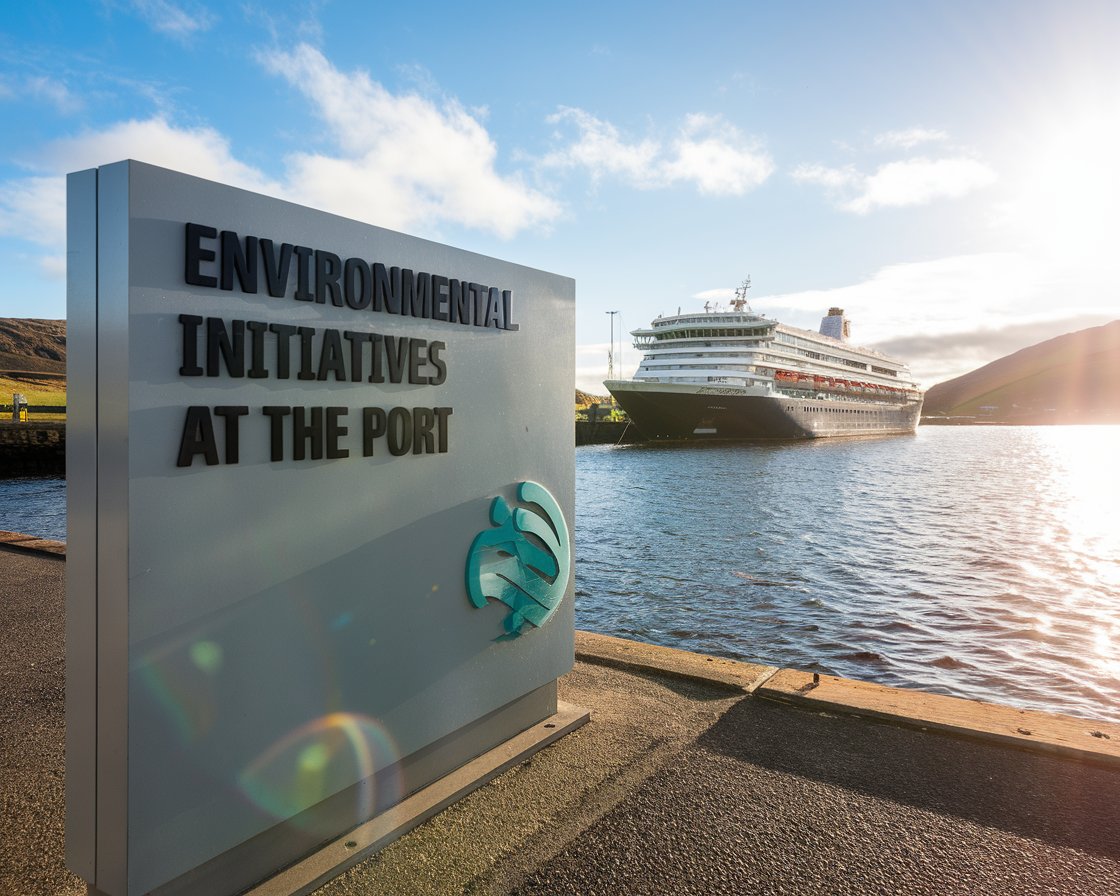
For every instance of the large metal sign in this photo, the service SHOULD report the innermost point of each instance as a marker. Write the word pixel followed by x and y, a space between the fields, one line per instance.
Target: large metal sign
pixel 321 497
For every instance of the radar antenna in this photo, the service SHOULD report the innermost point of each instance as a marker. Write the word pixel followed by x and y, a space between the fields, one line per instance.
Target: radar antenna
pixel 740 300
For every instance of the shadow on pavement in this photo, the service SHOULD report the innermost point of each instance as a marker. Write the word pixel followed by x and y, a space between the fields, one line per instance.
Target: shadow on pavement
pixel 1062 802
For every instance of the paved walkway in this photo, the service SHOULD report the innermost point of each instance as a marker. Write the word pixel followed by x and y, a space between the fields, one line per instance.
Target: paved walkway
pixel 680 784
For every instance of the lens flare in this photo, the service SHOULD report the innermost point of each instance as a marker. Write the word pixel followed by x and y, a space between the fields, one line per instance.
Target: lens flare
pixel 338 752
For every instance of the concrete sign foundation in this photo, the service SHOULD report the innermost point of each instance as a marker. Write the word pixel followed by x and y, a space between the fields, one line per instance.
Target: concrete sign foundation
pixel 320 505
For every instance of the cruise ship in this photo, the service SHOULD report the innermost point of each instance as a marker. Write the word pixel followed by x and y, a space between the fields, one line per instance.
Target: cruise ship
pixel 735 374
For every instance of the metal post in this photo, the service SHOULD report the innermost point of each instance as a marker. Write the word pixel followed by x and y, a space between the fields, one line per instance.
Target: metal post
pixel 610 351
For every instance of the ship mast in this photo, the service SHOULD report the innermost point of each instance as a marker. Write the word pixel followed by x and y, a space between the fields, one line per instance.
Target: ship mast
pixel 740 300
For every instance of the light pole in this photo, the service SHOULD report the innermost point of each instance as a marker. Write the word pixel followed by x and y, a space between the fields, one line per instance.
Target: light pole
pixel 610 351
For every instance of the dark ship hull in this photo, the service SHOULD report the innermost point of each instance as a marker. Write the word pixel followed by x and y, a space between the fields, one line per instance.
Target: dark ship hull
pixel 713 413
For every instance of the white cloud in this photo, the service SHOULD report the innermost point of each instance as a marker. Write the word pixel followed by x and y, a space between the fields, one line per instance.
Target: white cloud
pixel 833 178
pixel 53 266
pixel 401 160
pixel 202 151
pixel 41 89
pixel 919 182
pixel 950 315
pixel 943 317
pixel 54 92
pixel 172 20
pixel 908 182
pixel 34 207
pixel 707 152
pixel 909 138
pixel 602 151
pixel 722 294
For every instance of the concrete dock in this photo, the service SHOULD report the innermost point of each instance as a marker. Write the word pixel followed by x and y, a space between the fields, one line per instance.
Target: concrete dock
pixel 695 775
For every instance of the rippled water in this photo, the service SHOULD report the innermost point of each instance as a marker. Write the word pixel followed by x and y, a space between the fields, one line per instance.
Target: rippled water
pixel 34 505
pixel 982 562
pixel 977 561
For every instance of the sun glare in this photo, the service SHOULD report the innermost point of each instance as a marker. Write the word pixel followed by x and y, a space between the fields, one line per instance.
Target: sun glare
pixel 1079 475
pixel 1068 186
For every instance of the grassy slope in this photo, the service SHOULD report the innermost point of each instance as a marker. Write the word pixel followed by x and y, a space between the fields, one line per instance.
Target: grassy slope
pixel 33 361
pixel 1074 378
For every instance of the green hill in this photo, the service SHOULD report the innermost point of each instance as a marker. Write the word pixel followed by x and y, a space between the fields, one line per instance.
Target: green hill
pixel 33 360
pixel 1073 378
pixel 28 345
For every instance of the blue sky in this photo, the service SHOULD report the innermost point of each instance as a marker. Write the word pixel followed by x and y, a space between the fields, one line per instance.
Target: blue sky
pixel 945 171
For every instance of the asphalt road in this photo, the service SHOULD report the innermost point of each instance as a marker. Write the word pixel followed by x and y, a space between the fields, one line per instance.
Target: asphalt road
pixel 32 732
pixel 776 800
pixel 675 787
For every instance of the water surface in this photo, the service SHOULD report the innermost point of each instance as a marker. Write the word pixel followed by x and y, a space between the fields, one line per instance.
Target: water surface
pixel 982 562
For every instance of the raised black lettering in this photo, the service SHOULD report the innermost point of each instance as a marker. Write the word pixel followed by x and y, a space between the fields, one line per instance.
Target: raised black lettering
pixel 459 303
pixel 328 268
pixel 494 308
pixel 331 358
pixel 306 368
pixel 276 269
pixel 507 311
pixel 396 354
pixel 423 440
pixel 190 324
pixel 434 348
pixel 276 414
pixel 373 427
pixel 404 289
pixel 376 375
pixel 440 298
pixel 480 294
pixel 415 359
pixel 243 263
pixel 284 334
pixel 197 438
pixel 357 353
pixel 232 414
pixel 421 304
pixel 303 274
pixel 357 283
pixel 257 329
pixel 399 434
pixel 304 432
pixel 196 233
pixel 384 299
pixel 335 431
pixel 219 343
pixel 441 424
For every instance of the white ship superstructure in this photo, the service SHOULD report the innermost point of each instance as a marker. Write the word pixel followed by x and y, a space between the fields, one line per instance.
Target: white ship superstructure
pixel 738 374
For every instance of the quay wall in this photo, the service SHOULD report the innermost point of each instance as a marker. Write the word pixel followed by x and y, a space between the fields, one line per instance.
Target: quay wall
pixel 40 447
pixel 606 432
pixel 32 448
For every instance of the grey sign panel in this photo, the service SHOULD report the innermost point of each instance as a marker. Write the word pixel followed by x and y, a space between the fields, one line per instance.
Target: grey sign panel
pixel 326 540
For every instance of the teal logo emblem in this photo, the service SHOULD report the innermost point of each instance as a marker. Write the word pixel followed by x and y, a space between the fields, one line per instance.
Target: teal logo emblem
pixel 524 560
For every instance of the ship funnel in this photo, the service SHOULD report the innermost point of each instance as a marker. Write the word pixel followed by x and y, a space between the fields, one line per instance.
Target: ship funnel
pixel 837 326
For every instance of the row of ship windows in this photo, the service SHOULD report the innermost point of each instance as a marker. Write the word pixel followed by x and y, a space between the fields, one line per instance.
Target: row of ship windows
pixel 661 367
pixel 832 359
pixel 837 410
pixel 654 356
pixel 808 349
pixel 737 332
pixel 697 320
